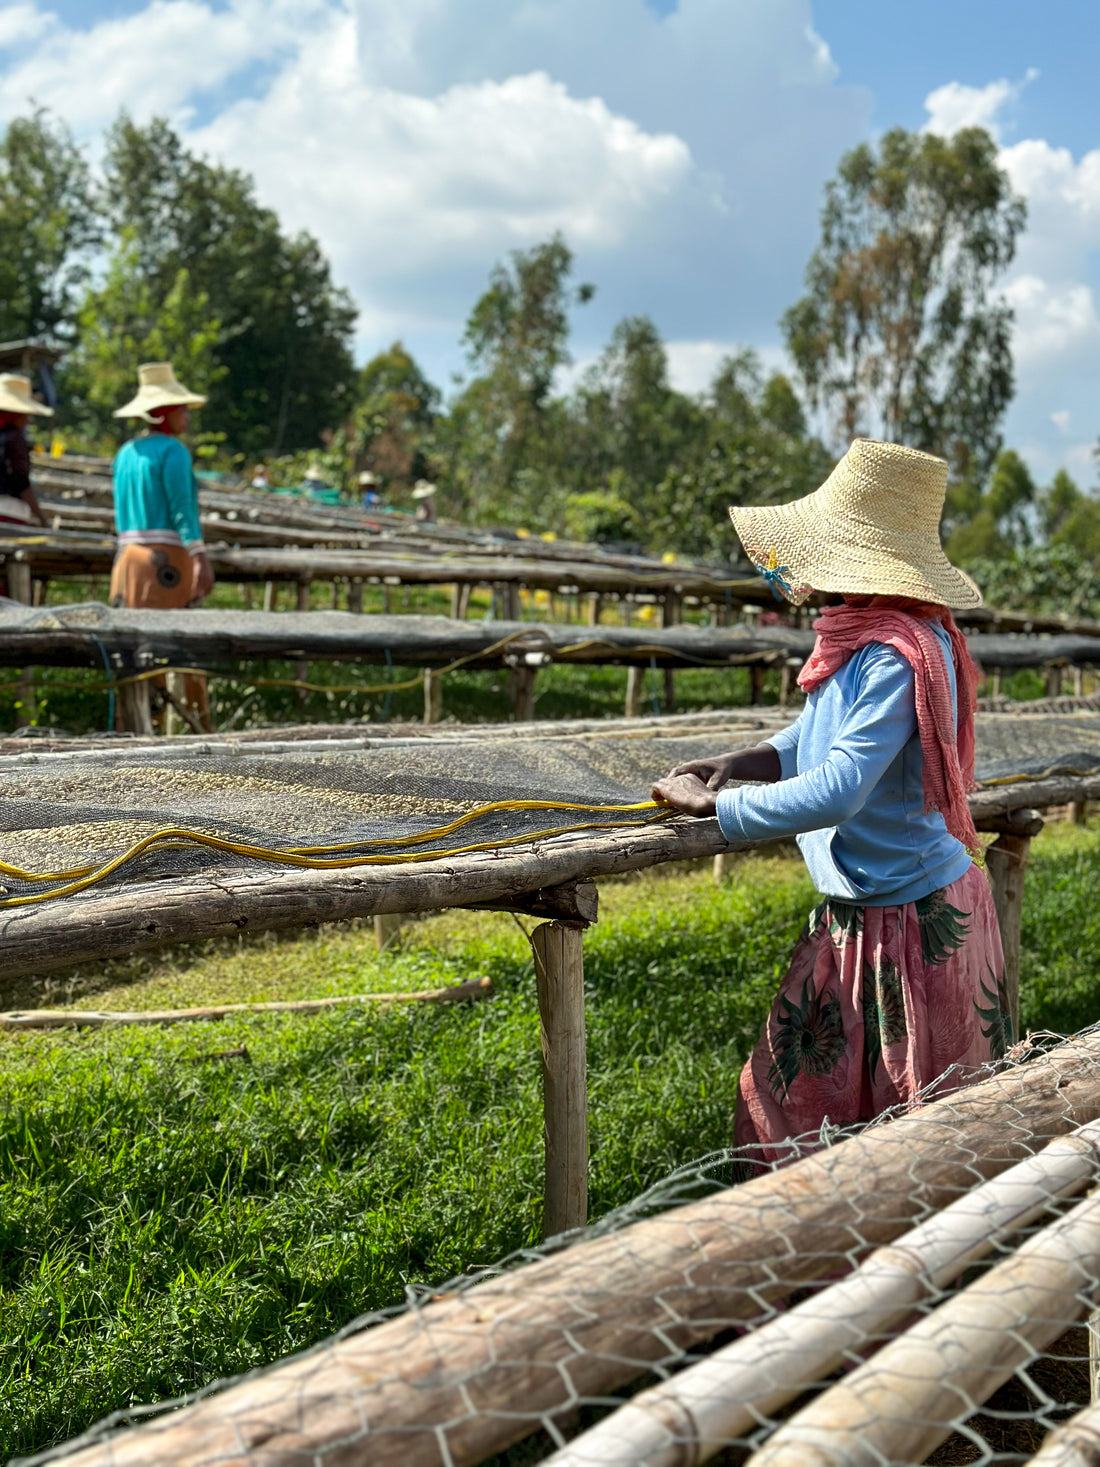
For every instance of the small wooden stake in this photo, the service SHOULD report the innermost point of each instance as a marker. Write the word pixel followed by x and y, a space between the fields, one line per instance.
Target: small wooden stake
pixel 559 975
pixel 355 595
pixel 1054 682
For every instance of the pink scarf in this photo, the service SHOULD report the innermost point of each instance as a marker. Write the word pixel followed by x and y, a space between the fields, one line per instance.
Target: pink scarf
pixel 948 751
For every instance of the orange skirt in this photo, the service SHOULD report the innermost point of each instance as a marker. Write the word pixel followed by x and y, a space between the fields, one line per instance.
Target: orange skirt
pixel 162 578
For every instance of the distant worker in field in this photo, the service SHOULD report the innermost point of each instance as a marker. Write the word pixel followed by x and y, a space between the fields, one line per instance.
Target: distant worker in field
pixel 161 561
pixel 899 975
pixel 18 502
pixel 424 494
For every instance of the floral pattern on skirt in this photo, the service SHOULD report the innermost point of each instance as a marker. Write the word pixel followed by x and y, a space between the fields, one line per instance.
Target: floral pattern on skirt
pixel 877 1003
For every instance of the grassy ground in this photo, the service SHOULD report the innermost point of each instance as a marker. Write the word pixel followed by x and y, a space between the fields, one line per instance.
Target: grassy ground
pixel 167 1216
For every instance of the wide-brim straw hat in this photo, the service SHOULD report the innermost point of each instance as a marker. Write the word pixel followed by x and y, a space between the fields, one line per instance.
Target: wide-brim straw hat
pixel 873 528
pixel 158 387
pixel 423 490
pixel 16 396
pixel 314 475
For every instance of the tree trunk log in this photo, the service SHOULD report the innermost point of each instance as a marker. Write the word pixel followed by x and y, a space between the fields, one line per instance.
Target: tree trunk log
pixel 559 976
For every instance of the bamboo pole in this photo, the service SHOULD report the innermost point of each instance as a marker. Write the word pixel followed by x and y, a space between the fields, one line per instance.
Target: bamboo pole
pixel 693 1416
pixel 108 1019
pixel 559 977
pixel 466 1374
pixel 903 1402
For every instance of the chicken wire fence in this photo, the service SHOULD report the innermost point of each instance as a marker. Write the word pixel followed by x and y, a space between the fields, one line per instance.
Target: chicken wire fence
pixel 920 1290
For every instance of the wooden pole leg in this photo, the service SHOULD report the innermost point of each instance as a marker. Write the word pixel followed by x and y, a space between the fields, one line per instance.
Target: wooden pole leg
pixel 522 679
pixel 1006 863
pixel 559 974
pixel 386 928
pixel 433 696
pixel 271 592
pixel 20 588
pixel 670 690
pixel 355 595
pixel 135 714
pixel 634 677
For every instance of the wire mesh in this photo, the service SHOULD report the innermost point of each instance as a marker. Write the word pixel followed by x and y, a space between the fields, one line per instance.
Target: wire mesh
pixel 341 805
pixel 919 1290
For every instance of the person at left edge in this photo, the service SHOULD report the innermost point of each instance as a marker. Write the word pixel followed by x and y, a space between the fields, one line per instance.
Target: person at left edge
pixel 161 561
pixel 18 503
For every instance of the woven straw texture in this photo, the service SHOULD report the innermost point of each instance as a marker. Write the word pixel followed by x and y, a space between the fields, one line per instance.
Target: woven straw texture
pixel 873 528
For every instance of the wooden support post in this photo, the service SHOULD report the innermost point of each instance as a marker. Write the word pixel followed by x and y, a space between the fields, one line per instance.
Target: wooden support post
pixel 301 668
pixel 995 682
pixel 521 678
pixel 247 588
pixel 595 608
pixel 1078 682
pixel 559 976
pixel 135 714
pixel 756 683
pixel 785 683
pixel 670 690
pixel 1054 682
pixel 719 868
pixel 1078 812
pixel 672 612
pixel 1006 864
pixel 355 595
pixel 460 599
pixel 386 928
pixel 271 595
pixel 335 594
pixel 21 589
pixel 634 677
pixel 433 696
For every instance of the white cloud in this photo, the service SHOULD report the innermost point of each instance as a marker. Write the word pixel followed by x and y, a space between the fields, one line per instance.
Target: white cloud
pixel 1061 419
pixel 23 22
pixel 954 106
pixel 1053 323
pixel 155 60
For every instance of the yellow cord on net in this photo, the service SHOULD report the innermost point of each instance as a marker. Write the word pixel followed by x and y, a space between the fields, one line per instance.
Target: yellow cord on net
pixel 80 878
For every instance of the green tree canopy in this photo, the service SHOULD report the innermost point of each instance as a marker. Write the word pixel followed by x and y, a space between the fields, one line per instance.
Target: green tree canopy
pixel 899 333
pixel 284 327
pixel 124 323
pixel 48 226
pixel 395 417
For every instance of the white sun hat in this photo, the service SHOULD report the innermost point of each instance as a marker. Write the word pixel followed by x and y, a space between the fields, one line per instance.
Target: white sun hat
pixel 873 528
pixel 423 489
pixel 315 475
pixel 158 387
pixel 16 397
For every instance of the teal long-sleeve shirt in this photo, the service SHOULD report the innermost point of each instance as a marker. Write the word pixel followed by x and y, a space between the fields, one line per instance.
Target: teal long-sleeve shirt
pixel 851 788
pixel 156 497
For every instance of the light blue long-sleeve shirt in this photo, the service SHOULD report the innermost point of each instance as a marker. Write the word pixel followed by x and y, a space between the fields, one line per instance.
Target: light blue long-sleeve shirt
pixel 851 788
pixel 156 497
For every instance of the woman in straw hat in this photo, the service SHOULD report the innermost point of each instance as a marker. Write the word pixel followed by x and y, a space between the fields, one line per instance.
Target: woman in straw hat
pixel 161 560
pixel 899 975
pixel 18 503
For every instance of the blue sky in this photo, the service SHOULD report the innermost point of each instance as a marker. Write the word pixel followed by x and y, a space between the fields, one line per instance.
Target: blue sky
pixel 682 149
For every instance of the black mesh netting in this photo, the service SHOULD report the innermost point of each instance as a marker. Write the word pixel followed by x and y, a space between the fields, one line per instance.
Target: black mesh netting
pixel 369 796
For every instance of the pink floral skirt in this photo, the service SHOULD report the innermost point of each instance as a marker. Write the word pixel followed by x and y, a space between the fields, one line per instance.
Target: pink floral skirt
pixel 877 1003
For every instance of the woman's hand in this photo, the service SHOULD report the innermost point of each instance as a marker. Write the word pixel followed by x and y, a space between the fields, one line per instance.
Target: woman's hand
pixel 685 792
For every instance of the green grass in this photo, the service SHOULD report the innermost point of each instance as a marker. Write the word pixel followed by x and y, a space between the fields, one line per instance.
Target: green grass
pixel 167 1216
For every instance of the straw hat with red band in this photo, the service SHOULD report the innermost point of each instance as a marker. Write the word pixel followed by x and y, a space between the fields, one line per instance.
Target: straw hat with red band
pixel 15 396
pixel 873 528
pixel 158 388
